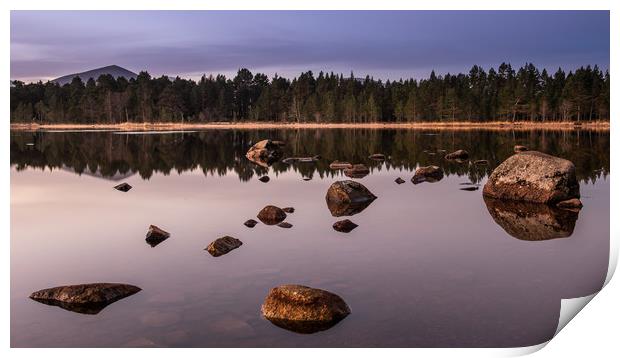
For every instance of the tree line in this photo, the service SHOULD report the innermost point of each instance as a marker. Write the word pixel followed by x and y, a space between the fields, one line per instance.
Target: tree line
pixel 504 94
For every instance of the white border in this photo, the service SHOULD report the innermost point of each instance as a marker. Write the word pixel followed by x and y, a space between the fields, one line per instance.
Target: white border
pixel 606 321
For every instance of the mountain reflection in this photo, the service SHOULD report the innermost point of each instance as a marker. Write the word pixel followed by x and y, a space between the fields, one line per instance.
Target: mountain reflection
pixel 114 155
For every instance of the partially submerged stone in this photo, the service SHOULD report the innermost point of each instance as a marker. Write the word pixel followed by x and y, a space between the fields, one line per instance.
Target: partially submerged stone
pixel 574 204
pixel 348 197
pixel 124 187
pixel 88 298
pixel 459 154
pixel 531 221
pixel 469 188
pixel 345 225
pixel 301 159
pixel 535 177
pixel 481 162
pixel 156 236
pixel 223 245
pixel 303 309
pixel 399 180
pixel 285 225
pixel 271 215
pixel 357 171
pixel 337 165
pixel 264 179
pixel 288 210
pixel 377 156
pixel 520 148
pixel 250 223
pixel 430 174
pixel 264 153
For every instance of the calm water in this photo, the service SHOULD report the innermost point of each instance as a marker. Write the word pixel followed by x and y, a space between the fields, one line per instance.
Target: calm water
pixel 429 265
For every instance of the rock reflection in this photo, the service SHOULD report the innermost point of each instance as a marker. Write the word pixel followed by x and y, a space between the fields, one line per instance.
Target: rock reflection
pixel 347 208
pixel 303 327
pixel 530 221
pixel 83 308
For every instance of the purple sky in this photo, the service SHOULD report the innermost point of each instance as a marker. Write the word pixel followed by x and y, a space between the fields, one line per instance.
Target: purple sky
pixel 384 44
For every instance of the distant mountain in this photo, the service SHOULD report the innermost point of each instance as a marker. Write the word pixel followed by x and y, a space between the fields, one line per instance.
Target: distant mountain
pixel 113 70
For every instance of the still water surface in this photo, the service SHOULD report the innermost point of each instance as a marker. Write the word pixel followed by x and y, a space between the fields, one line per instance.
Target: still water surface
pixel 429 265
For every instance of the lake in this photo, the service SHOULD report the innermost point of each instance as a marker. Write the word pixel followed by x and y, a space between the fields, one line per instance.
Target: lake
pixel 429 265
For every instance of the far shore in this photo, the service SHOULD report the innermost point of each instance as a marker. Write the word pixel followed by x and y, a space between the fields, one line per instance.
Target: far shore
pixel 158 126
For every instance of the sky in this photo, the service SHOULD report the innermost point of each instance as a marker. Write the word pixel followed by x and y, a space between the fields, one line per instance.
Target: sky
pixel 382 44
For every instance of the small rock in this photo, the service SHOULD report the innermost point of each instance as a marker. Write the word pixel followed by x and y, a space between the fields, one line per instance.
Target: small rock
pixel 570 204
pixel 279 143
pixel 459 154
pixel 250 223
pixel 288 210
pixel 470 188
pixel 264 178
pixel 123 187
pixel 303 309
pixel 377 156
pixel 345 225
pixel 271 215
pixel 336 165
pixel 481 162
pixel 264 153
pixel 307 179
pixel 223 245
pixel 285 225
pixel 88 298
pixel 156 236
pixel 520 148
pixel 399 180
pixel 357 171
pixel 429 174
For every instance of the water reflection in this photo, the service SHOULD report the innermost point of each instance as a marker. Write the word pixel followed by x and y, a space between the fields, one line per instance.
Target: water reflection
pixel 531 221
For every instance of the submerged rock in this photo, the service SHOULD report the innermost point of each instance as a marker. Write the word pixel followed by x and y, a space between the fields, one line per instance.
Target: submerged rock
pixel 535 177
pixel 357 171
pixel 123 187
pixel 250 223
pixel 348 197
pixel 531 221
pixel 336 165
pixel 271 215
pixel 88 298
pixel 570 204
pixel 520 148
pixel 303 309
pixel 285 225
pixel 156 236
pixel 430 174
pixel 399 180
pixel 377 156
pixel 223 245
pixel 288 210
pixel 264 178
pixel 459 154
pixel 345 225
pixel 264 153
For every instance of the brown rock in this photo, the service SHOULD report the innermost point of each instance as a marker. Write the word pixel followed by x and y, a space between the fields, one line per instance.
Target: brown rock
pixel 264 153
pixel 348 197
pixel 357 171
pixel 156 236
pixel 377 156
pixel 123 187
pixel 570 204
pixel 535 177
pixel 520 148
pixel 303 309
pixel 336 165
pixel 223 245
pixel 481 162
pixel 345 225
pixel 399 180
pixel 264 179
pixel 285 225
pixel 288 210
pixel 271 215
pixel 85 298
pixel 459 154
pixel 250 223
pixel 430 174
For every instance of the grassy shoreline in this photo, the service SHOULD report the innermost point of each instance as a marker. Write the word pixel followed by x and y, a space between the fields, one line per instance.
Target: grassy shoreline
pixel 134 126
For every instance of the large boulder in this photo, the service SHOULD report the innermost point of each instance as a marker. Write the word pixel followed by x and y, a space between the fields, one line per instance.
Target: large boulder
pixel 535 177
pixel 264 153
pixel 531 221
pixel 303 309
pixel 88 298
pixel 271 215
pixel 348 197
pixel 430 174
pixel 223 245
